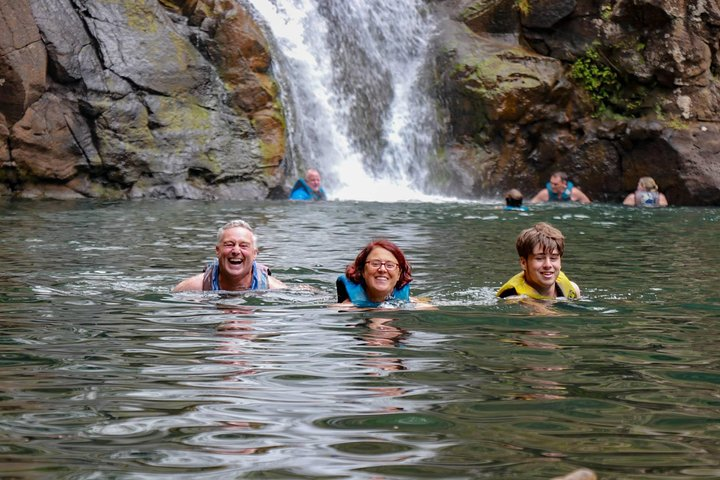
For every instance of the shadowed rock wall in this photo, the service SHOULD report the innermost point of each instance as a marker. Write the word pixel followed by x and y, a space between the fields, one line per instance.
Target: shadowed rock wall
pixel 517 112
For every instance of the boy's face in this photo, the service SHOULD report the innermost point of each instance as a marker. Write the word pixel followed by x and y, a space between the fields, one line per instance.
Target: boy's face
pixel 542 269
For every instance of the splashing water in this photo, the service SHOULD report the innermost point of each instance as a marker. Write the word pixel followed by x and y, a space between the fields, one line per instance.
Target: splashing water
pixel 355 78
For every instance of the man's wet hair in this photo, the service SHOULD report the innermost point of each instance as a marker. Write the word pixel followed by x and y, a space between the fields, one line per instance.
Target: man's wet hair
pixel 234 224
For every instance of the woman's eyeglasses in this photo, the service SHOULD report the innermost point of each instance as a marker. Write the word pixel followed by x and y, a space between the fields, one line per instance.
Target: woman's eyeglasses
pixel 376 264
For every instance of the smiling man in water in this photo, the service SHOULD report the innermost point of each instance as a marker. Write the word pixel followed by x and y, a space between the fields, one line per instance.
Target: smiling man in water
pixel 541 249
pixel 235 267
pixel 560 189
pixel 308 188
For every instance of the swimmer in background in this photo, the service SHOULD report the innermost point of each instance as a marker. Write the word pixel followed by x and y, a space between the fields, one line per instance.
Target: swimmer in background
pixel 514 200
pixel 560 189
pixel 308 188
pixel 540 248
pixel 646 195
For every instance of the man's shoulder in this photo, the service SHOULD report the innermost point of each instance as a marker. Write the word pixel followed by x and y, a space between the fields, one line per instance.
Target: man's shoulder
pixel 194 283
pixel 275 283
pixel 541 196
pixel 300 194
pixel 578 195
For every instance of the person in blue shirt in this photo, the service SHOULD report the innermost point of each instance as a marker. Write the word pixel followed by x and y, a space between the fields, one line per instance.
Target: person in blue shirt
pixel 560 189
pixel 308 188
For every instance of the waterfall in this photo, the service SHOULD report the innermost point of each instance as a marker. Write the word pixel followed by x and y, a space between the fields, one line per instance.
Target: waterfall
pixel 355 77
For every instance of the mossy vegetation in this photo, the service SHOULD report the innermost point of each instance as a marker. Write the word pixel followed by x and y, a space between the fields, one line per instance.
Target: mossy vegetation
pixel 598 79
pixel 606 12
pixel 523 6
pixel 611 93
pixel 677 124
pixel 139 17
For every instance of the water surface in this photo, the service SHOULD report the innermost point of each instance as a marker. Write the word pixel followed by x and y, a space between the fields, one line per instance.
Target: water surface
pixel 106 374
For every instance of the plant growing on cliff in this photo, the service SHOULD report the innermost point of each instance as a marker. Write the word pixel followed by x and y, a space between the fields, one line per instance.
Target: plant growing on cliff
pixel 606 12
pixel 598 80
pixel 523 6
pixel 609 92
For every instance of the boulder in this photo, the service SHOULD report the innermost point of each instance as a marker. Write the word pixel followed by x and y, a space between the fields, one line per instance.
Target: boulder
pixel 684 161
pixel 132 105
pixel 496 17
pixel 46 141
pixel 22 60
pixel 545 13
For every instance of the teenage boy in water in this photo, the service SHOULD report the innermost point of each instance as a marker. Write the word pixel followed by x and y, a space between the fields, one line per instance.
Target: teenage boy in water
pixel 540 249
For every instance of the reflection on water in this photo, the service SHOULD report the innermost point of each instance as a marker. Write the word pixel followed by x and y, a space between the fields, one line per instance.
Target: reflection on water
pixel 106 374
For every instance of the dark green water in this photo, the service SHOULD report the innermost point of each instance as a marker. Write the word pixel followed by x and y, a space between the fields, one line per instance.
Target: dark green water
pixel 105 374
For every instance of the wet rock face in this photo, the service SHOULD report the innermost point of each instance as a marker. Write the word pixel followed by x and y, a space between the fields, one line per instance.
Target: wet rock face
pixel 136 101
pixel 517 111
pixel 22 60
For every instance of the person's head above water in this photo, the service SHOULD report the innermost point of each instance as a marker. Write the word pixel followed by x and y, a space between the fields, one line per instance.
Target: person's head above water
pixel 403 272
pixel 548 237
pixel 236 224
pixel 648 184
pixel 313 179
pixel 513 198
pixel 560 189
pixel 308 188
pixel 558 182
pixel 235 268
pixel 540 248
pixel 380 272
pixel 236 250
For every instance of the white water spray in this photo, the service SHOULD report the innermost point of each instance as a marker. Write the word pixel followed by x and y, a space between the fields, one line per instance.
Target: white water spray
pixel 356 88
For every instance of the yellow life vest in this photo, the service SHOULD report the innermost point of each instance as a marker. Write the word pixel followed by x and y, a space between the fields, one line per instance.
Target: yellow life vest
pixel 523 288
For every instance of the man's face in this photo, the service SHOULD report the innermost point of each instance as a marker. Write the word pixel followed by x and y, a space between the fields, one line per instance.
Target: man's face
pixel 313 180
pixel 542 269
pixel 557 184
pixel 236 252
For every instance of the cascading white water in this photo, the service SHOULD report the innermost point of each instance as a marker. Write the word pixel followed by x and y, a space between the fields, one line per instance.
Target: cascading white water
pixel 355 81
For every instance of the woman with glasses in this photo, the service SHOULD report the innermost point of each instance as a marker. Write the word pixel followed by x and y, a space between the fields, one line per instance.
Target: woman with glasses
pixel 379 274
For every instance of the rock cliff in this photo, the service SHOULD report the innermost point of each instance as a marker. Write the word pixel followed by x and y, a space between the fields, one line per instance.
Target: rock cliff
pixel 132 98
pixel 606 91
pixel 175 98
